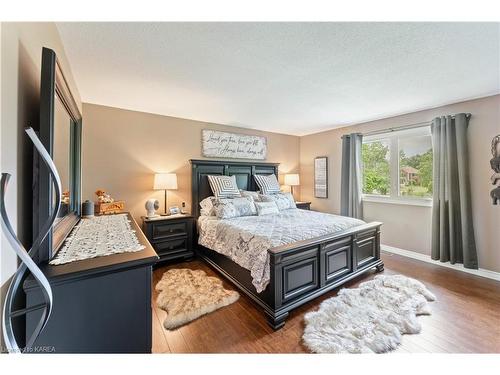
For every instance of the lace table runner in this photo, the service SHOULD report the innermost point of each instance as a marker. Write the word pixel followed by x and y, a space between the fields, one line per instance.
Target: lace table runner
pixel 98 236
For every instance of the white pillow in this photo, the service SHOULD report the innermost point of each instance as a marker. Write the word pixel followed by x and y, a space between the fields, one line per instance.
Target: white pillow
pixel 224 186
pixel 236 207
pixel 284 201
pixel 253 194
pixel 207 207
pixel 266 208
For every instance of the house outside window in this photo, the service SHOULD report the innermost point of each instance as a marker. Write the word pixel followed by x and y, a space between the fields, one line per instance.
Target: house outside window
pixel 397 166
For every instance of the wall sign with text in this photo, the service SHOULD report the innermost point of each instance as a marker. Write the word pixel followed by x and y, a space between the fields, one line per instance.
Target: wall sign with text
pixel 217 144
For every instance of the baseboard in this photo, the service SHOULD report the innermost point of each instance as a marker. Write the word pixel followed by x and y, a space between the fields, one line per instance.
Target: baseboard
pixel 426 258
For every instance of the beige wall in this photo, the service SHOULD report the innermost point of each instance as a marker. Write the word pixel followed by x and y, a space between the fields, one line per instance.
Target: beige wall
pixel 21 52
pixel 122 150
pixel 408 227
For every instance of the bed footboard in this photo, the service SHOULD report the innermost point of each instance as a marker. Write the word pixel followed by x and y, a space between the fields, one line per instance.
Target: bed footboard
pixel 305 270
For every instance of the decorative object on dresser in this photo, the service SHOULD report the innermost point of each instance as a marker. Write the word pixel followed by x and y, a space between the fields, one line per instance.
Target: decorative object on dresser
pixel 87 209
pixel 11 309
pixel 303 205
pixel 171 236
pixel 321 177
pixel 368 319
pixel 188 294
pixel 151 206
pixel 292 179
pixel 217 144
pixel 106 205
pixel 495 165
pixel 98 236
pixel 165 181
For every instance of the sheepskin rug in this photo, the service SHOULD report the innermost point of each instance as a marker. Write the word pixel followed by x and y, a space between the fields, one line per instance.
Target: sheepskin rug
pixel 188 294
pixel 368 319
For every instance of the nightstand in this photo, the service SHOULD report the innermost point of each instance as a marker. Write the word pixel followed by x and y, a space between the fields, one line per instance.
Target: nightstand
pixel 171 236
pixel 303 205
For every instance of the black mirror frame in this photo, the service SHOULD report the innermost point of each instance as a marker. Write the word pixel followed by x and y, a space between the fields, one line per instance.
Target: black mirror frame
pixel 54 83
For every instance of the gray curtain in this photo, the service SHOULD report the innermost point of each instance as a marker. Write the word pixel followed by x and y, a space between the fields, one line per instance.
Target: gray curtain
pixel 452 229
pixel 350 189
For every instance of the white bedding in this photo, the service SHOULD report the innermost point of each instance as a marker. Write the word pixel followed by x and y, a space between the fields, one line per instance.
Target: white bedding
pixel 246 239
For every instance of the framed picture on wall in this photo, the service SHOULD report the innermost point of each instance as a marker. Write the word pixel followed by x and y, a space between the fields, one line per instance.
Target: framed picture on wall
pixel 321 177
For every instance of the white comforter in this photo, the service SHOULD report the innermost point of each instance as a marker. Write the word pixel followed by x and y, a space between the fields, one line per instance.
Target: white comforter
pixel 246 239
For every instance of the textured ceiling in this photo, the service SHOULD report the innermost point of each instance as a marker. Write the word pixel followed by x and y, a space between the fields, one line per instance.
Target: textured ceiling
pixel 294 78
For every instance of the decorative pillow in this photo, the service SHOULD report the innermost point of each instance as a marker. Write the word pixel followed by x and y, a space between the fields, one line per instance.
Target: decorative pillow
pixel 236 207
pixel 284 201
pixel 266 208
pixel 207 207
pixel 253 194
pixel 224 186
pixel 267 184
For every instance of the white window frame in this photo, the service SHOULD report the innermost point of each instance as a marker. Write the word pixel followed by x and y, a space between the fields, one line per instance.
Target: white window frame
pixel 393 137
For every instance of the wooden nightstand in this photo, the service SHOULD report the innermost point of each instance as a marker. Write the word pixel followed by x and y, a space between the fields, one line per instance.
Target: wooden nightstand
pixel 171 236
pixel 303 205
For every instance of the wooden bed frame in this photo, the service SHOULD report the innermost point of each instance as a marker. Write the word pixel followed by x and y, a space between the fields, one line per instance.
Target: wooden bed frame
pixel 300 271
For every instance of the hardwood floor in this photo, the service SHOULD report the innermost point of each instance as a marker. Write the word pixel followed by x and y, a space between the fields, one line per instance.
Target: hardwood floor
pixel 465 318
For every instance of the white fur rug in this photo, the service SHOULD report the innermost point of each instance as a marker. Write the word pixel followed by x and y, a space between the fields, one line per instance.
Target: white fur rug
pixel 368 319
pixel 188 294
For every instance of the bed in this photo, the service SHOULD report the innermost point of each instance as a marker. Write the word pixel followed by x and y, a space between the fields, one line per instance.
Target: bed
pixel 296 256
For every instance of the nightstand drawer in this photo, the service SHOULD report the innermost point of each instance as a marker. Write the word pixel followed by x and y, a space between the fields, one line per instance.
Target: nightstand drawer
pixel 171 236
pixel 171 247
pixel 165 230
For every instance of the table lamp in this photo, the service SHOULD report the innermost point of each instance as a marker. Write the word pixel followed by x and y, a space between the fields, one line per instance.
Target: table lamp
pixel 292 179
pixel 165 181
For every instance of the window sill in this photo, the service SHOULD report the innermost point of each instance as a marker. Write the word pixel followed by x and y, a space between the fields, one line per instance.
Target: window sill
pixel 400 201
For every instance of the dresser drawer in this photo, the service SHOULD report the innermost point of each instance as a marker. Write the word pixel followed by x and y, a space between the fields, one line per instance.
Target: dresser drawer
pixel 171 247
pixel 166 230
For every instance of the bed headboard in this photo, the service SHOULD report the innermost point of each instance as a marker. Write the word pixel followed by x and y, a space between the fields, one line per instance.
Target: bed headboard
pixel 244 172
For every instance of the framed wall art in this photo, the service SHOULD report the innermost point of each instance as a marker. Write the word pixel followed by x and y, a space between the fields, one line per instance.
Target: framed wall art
pixel 321 177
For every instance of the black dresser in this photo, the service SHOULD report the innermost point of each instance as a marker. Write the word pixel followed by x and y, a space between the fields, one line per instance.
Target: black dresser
pixel 171 236
pixel 101 305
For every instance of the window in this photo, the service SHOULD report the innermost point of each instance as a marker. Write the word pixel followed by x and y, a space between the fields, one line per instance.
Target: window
pixel 376 167
pixel 398 165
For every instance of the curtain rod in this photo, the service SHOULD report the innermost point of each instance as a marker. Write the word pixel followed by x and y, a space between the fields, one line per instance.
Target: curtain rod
pixel 397 128
pixel 403 127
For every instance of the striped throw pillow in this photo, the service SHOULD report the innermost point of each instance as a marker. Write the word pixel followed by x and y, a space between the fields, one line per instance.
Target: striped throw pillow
pixel 224 186
pixel 267 184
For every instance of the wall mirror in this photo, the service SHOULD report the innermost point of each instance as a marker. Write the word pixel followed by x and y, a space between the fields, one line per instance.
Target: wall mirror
pixel 60 133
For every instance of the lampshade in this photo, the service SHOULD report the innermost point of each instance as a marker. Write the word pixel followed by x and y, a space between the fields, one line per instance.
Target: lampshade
pixel 292 179
pixel 165 181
